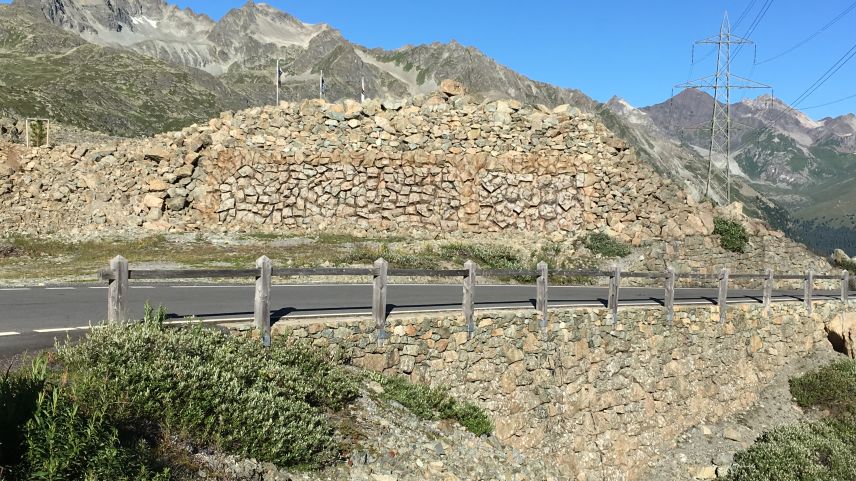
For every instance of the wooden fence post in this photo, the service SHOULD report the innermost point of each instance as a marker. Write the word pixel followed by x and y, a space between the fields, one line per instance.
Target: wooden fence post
pixel 379 299
pixel 768 290
pixel 262 300
pixel 845 286
pixel 669 300
pixel 809 291
pixel 469 294
pixel 614 286
pixel 723 294
pixel 542 286
pixel 117 292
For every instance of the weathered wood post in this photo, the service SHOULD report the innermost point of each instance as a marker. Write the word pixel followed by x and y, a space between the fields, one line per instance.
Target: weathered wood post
pixel 614 285
pixel 262 301
pixel 723 294
pixel 469 297
pixel 669 299
pixel 541 297
pixel 809 291
pixel 845 286
pixel 117 291
pixel 379 299
pixel 768 290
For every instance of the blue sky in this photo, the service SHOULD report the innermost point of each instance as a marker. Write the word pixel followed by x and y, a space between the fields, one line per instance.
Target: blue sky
pixel 635 49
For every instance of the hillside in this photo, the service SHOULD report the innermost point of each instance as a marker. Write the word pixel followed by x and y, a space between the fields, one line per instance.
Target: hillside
pixel 802 170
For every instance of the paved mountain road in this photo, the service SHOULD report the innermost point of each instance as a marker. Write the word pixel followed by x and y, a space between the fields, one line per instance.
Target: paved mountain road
pixel 30 318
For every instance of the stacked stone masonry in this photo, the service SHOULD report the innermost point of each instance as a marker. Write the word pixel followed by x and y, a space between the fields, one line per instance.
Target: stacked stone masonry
pixel 601 400
pixel 434 165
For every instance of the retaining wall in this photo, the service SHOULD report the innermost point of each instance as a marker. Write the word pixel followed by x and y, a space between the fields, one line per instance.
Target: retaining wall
pixel 600 399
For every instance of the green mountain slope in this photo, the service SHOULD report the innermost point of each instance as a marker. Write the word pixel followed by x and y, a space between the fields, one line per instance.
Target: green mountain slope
pixel 47 72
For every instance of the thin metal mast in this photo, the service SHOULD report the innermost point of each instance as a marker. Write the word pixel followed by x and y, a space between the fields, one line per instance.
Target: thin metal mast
pixel 721 83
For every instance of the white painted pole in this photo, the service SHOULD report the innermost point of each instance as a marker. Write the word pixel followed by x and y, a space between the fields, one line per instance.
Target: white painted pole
pixel 277 82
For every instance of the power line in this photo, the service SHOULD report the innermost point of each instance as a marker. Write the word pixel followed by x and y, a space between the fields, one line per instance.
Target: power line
pixel 813 35
pixel 761 14
pixel 808 92
pixel 830 103
pixel 743 15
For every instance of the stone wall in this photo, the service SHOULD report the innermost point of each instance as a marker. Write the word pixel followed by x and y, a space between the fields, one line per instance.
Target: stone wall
pixel 600 400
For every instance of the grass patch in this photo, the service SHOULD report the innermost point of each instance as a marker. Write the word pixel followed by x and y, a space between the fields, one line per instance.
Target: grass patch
pixel 603 244
pixel 732 235
pixel 434 403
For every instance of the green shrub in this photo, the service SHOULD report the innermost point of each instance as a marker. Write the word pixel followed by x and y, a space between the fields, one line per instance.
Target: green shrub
pixel 19 395
pixel 434 403
pixel 603 244
pixel 64 443
pixel 819 451
pixel 732 235
pixel 831 387
pixel 215 390
pixel 45 433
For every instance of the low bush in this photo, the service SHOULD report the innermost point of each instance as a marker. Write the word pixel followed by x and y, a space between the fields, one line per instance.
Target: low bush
pixel 434 403
pixel 819 451
pixel 215 390
pixel 603 244
pixel 47 434
pixel 732 235
pixel 832 387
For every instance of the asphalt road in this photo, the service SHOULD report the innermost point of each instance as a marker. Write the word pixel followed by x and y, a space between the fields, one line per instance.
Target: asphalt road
pixel 31 318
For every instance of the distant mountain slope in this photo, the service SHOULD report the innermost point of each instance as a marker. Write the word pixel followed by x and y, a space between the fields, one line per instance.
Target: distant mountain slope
pixel 806 166
pixel 242 49
pixel 47 72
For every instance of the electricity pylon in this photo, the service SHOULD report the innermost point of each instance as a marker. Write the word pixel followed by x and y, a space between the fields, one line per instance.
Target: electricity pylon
pixel 721 83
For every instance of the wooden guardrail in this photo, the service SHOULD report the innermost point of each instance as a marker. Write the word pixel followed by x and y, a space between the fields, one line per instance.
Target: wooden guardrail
pixel 119 274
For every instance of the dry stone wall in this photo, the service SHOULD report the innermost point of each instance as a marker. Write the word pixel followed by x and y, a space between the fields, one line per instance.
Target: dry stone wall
pixel 437 164
pixel 601 400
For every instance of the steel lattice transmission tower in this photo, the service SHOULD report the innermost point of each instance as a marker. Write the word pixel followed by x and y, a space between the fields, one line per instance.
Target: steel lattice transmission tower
pixel 721 83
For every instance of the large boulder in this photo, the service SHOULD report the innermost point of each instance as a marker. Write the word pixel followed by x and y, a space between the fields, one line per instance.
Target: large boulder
pixel 842 333
pixel 840 258
pixel 452 88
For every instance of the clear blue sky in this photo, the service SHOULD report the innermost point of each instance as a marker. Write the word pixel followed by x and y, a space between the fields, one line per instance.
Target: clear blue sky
pixel 635 49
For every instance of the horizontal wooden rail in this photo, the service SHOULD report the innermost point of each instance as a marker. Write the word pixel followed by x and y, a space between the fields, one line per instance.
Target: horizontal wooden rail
pixel 748 276
pixel 581 273
pixel 645 275
pixel 191 273
pixel 506 273
pixel 428 272
pixel 790 277
pixel 321 271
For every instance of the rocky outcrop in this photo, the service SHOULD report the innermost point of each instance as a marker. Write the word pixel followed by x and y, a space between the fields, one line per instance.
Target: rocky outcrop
pixel 842 333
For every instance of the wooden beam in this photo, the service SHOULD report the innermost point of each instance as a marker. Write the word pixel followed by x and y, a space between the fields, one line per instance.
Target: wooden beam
pixel 669 301
pixel 614 286
pixel 845 286
pixel 379 298
pixel 469 297
pixel 117 291
pixel 262 299
pixel 723 294
pixel 809 291
pixel 768 290
pixel 541 298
